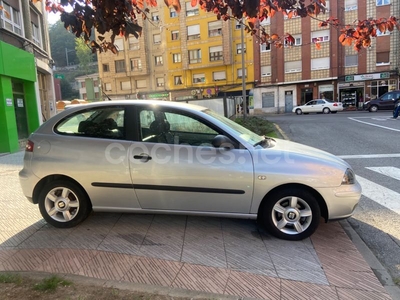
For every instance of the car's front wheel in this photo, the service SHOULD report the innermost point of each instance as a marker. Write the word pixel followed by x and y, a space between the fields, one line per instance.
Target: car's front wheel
pixel 64 204
pixel 298 111
pixel 291 214
pixel 373 108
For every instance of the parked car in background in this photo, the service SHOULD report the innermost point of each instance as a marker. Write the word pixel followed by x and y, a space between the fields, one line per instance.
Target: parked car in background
pixel 148 156
pixel 385 102
pixel 324 106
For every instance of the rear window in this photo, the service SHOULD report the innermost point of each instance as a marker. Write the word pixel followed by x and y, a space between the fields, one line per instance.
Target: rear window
pixel 104 122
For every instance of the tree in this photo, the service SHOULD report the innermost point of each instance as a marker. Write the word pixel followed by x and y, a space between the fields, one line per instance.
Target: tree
pixel 62 43
pixel 120 18
pixel 84 54
pixel 67 93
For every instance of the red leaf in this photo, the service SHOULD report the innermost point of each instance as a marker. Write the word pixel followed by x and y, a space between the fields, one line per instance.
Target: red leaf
pixel 274 37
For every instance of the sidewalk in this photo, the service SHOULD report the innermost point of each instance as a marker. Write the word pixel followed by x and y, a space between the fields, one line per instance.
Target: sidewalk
pixel 221 256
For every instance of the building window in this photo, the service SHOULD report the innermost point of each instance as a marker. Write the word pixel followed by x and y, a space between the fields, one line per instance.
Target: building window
pixel 107 87
pixel 119 43
pixel 238 24
pixel 320 36
pixel 265 22
pixel 178 80
pixel 120 66
pixel 350 5
pixel 297 41
pixel 380 33
pixel 134 43
pixel 215 28
pixel 191 11
pixel 175 35
pixel 216 53
pixel 218 76
pixel 12 20
pixel 265 71
pixel 199 78
pixel 172 13
pixel 240 73
pixel 194 56
pixel 382 58
pixel 136 64
pixel 351 61
pixel 141 83
pixel 158 60
pixel 106 68
pixel 83 84
pixel 155 17
pixel 265 47
pixel 293 66
pixel 36 32
pixel 239 48
pixel 382 2
pixel 176 57
pixel 320 63
pixel 157 38
pixel 160 81
pixel 125 85
pixel 193 32
pixel 268 99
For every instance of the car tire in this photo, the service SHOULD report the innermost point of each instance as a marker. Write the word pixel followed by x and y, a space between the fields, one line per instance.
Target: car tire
pixel 373 108
pixel 326 110
pixel 298 111
pixel 64 204
pixel 291 214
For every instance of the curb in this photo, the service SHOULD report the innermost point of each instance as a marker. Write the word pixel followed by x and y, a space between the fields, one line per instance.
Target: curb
pixel 379 270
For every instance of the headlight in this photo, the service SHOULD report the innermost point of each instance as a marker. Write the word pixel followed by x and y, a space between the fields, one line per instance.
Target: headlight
pixel 349 177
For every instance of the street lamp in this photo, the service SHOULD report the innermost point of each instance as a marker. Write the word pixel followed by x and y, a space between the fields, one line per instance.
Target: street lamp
pixel 243 71
pixel 66 54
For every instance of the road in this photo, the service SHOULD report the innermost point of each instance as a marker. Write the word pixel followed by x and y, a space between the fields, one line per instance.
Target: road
pixel 370 142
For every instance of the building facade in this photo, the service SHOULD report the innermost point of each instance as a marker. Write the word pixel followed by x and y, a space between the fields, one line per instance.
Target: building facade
pixel 300 72
pixel 190 55
pixel 26 77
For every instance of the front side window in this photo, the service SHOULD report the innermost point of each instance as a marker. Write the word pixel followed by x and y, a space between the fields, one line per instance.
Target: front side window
pixel 174 128
pixel 104 122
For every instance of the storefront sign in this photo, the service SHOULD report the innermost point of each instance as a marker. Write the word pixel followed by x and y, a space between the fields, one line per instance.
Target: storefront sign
pixel 367 76
pixel 158 96
pixel 9 102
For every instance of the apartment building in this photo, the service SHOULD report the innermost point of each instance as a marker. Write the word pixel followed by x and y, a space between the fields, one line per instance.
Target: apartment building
pixel 190 55
pixel 26 77
pixel 300 72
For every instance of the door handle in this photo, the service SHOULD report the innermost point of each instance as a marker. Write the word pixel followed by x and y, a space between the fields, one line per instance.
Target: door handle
pixel 144 157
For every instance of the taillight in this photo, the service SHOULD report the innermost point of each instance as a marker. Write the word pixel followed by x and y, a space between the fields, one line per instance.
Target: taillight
pixel 29 146
pixel 335 104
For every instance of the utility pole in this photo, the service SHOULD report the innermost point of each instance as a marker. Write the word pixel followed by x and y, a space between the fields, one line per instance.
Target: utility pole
pixel 243 71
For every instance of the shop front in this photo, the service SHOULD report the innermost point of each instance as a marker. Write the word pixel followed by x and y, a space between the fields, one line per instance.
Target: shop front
pixel 18 106
pixel 354 90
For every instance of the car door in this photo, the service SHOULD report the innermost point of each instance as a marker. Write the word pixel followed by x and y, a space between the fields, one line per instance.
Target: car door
pixel 175 167
pixel 309 107
pixel 387 101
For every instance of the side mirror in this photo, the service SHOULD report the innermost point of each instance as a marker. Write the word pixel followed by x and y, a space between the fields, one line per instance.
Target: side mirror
pixel 222 141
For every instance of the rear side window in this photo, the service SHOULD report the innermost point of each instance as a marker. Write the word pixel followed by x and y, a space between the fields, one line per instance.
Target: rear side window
pixel 104 122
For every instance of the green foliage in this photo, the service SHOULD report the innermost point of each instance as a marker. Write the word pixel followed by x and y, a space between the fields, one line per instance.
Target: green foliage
pixel 67 92
pixel 10 278
pixel 84 54
pixel 62 45
pixel 257 125
pixel 51 284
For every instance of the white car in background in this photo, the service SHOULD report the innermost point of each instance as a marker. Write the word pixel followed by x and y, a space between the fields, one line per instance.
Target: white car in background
pixel 324 106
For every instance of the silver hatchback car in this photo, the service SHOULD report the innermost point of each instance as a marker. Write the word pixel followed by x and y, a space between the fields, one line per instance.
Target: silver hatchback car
pixel 165 157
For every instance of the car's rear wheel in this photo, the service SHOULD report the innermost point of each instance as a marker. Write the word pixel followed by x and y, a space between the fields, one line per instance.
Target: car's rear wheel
pixel 64 204
pixel 373 108
pixel 291 214
pixel 326 110
pixel 298 111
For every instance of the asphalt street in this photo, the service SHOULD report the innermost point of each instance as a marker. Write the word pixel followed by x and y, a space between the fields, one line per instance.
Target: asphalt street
pixel 370 142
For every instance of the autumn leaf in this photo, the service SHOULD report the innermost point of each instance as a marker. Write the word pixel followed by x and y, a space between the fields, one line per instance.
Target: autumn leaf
pixel 274 37
pixel 193 3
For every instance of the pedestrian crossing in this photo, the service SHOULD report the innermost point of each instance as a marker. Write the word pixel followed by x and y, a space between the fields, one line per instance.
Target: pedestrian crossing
pixel 380 194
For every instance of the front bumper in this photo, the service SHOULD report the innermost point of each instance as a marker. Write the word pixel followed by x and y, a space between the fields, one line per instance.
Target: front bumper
pixel 341 201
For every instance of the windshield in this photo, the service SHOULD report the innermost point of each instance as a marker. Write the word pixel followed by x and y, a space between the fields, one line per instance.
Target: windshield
pixel 244 133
